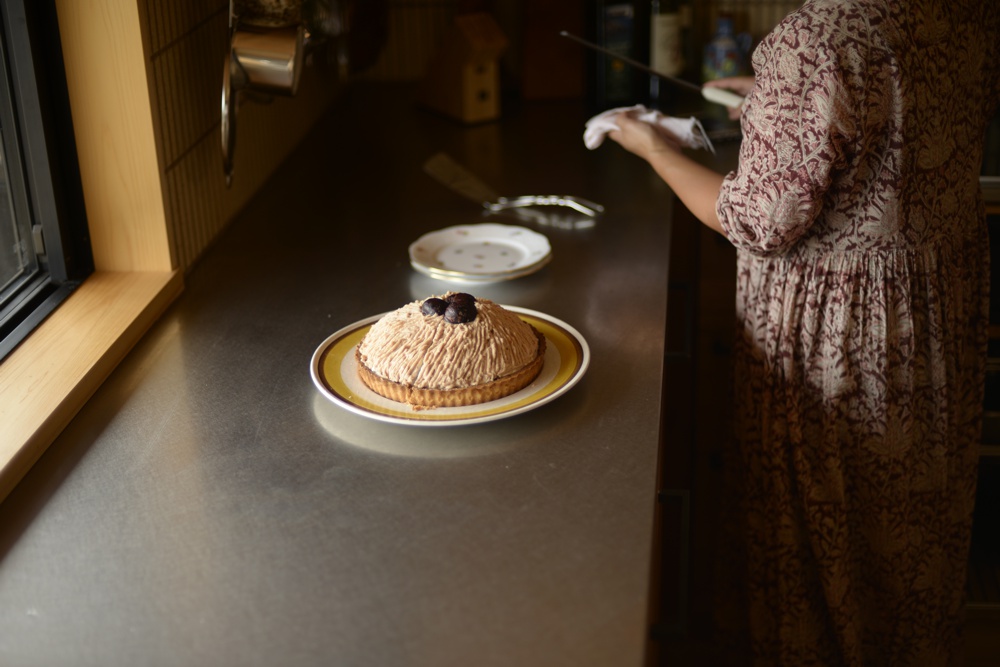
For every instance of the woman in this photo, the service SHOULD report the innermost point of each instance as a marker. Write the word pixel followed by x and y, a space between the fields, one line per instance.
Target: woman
pixel 862 304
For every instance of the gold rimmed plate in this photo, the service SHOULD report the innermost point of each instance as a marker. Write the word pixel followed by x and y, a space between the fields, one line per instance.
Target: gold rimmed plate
pixel 335 374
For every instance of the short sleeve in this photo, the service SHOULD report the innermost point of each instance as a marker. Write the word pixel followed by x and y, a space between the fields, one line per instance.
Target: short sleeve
pixel 796 122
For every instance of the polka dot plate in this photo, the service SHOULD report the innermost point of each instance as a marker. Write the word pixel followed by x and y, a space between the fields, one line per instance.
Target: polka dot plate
pixel 481 253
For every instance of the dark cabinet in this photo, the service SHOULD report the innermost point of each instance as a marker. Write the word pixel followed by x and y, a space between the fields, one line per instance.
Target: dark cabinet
pixel 697 419
pixel 983 613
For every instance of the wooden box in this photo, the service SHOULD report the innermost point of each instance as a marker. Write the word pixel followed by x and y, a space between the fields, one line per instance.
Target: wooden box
pixel 463 78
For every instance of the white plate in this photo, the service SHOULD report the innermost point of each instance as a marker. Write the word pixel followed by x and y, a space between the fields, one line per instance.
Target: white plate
pixel 334 372
pixel 484 252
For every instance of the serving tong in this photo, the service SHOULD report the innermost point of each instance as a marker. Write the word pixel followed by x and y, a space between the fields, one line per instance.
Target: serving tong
pixel 576 203
pixel 450 173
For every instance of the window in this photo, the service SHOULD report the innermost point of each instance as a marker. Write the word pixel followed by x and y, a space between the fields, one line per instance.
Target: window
pixel 44 249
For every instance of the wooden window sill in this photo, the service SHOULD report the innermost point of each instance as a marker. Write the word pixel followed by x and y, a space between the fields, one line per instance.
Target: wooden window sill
pixel 49 377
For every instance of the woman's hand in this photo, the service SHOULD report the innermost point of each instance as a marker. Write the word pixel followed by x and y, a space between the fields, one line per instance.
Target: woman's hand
pixel 642 139
pixel 741 85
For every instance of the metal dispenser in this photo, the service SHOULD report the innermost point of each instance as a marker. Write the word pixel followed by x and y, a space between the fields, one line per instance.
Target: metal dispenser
pixel 268 40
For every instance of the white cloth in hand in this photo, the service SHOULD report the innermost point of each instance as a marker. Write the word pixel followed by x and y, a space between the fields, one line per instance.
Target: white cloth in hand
pixel 687 131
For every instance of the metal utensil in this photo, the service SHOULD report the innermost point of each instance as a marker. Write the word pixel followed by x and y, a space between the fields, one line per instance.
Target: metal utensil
pixel 450 173
pixel 716 95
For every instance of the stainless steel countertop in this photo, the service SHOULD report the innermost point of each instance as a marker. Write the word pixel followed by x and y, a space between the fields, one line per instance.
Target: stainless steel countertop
pixel 210 507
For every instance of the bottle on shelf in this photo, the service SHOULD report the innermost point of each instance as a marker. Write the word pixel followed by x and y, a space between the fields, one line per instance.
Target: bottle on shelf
pixel 666 48
pixel 726 53
pixel 622 27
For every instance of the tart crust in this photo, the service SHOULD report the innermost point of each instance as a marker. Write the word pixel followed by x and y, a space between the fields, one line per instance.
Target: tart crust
pixel 421 397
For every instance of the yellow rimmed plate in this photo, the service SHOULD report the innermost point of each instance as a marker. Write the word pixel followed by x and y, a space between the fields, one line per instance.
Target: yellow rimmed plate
pixel 334 372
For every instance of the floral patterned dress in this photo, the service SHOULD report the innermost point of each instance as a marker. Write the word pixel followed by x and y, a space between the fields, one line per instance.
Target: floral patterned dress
pixel 862 304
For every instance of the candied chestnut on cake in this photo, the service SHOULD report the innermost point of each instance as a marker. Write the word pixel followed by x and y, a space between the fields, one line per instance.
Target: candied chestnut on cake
pixel 434 306
pixel 450 350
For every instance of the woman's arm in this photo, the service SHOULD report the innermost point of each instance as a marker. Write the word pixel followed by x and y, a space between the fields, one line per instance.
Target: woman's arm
pixel 695 185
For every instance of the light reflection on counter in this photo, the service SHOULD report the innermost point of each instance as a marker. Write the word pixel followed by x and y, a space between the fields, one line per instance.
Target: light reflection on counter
pixel 450 442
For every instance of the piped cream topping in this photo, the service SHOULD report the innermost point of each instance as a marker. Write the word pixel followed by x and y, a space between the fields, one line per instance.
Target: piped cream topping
pixel 425 351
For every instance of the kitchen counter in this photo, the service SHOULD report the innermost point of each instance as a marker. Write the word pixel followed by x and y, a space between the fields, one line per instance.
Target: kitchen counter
pixel 210 507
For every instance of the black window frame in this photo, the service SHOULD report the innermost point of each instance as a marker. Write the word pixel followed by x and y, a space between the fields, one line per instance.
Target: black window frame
pixel 43 170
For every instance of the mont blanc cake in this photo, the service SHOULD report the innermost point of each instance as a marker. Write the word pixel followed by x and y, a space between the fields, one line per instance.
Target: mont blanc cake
pixel 448 351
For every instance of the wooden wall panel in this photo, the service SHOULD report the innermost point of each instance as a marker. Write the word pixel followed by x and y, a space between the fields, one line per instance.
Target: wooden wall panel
pixel 194 200
pixel 169 21
pixel 188 82
pixel 186 42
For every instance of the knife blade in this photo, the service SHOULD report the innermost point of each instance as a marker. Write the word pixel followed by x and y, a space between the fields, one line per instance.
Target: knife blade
pixel 717 95
pixel 451 174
